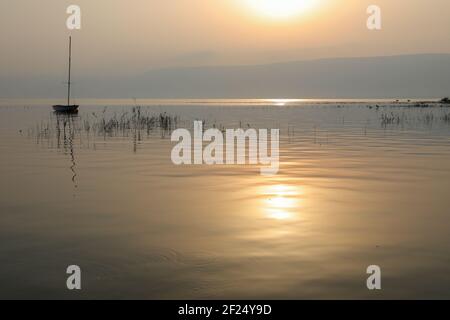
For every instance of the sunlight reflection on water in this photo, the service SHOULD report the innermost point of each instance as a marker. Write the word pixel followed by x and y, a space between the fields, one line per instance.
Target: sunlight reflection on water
pixel 352 191
pixel 282 202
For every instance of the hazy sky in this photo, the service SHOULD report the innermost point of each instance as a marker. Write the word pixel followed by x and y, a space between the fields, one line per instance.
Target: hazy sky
pixel 128 37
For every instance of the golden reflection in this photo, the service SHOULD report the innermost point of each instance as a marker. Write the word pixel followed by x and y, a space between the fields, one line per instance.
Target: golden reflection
pixel 281 202
pixel 282 102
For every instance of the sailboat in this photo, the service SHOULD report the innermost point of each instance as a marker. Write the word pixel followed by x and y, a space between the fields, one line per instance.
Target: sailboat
pixel 68 108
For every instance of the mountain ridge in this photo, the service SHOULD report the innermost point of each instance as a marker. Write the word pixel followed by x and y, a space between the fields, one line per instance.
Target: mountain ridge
pixel 396 76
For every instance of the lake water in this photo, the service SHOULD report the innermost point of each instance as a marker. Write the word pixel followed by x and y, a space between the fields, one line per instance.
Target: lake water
pixel 357 186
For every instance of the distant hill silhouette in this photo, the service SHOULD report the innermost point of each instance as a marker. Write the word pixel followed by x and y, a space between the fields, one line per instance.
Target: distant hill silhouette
pixel 407 76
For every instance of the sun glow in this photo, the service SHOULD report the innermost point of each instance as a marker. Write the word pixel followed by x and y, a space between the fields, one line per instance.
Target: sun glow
pixel 281 9
pixel 281 201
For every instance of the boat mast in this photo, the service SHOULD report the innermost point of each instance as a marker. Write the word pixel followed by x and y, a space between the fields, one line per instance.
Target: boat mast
pixel 70 66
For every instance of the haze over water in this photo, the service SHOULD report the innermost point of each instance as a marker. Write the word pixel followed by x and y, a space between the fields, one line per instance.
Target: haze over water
pixel 357 186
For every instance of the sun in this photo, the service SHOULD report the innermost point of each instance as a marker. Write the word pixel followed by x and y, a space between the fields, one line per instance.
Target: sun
pixel 281 9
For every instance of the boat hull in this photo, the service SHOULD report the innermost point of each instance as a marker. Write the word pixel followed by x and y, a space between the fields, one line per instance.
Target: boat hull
pixel 65 108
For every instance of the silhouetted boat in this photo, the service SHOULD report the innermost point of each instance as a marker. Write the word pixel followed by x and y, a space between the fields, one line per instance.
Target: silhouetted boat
pixel 68 108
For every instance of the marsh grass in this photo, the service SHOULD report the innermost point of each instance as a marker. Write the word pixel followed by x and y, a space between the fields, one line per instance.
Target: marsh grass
pixel 138 123
pixel 446 118
pixel 135 124
pixel 129 122
pixel 390 119
pixel 401 114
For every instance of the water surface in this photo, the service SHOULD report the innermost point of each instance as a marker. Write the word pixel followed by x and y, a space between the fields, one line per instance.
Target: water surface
pixel 357 186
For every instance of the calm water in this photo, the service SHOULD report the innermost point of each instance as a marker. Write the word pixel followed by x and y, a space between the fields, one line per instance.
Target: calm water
pixel 352 191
